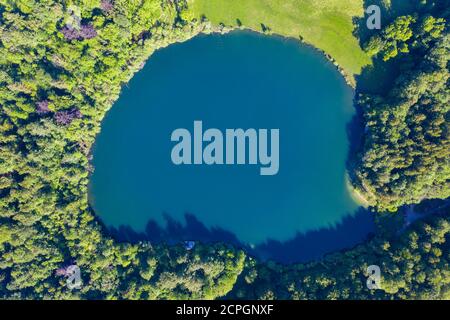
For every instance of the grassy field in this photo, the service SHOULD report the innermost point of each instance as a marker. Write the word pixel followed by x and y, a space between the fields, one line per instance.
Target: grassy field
pixel 326 24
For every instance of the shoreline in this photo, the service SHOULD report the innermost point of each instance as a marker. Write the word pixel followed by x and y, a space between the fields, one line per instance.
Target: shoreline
pixel 355 194
pixel 222 29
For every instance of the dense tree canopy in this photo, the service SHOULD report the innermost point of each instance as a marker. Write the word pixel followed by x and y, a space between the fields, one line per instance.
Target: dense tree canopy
pixel 406 156
pixel 62 65
pixel 414 265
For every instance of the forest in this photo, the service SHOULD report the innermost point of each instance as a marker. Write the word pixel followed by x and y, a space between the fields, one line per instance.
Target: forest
pixel 405 157
pixel 62 66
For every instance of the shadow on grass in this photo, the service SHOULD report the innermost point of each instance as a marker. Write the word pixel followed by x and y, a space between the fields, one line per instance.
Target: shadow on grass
pixel 379 77
pixel 390 10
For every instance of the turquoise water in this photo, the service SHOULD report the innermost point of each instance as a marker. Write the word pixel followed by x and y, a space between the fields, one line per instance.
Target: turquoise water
pixel 239 80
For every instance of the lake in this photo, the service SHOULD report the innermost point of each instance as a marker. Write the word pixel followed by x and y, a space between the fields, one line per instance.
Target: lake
pixel 239 80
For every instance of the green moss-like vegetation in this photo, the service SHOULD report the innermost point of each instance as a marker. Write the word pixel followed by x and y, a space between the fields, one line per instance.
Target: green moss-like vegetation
pixel 62 65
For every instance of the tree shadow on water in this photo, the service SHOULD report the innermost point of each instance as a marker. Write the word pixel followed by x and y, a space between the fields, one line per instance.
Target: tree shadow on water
pixel 304 247
pixel 313 245
pixel 174 232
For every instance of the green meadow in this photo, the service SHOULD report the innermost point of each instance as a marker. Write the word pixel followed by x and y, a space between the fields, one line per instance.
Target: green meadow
pixel 325 24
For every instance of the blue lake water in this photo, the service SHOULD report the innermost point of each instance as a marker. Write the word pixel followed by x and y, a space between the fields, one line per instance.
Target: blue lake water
pixel 240 80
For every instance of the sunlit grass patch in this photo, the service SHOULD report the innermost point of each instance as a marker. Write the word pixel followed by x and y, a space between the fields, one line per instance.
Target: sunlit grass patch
pixel 325 24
